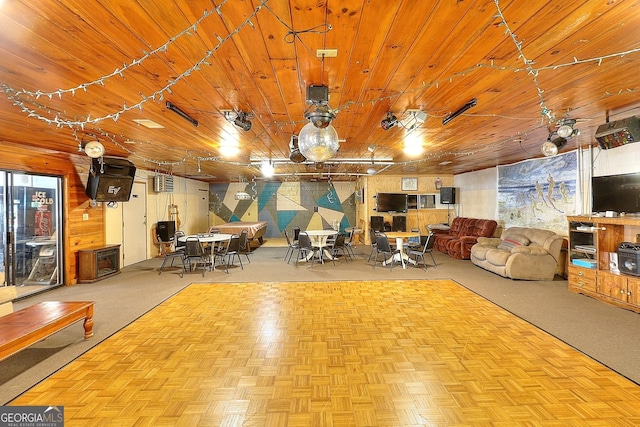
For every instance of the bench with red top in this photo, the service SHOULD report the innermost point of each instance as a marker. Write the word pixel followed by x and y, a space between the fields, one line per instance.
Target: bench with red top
pixel 27 326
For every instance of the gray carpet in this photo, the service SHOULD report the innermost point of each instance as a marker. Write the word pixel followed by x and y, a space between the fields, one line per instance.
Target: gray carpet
pixel 605 333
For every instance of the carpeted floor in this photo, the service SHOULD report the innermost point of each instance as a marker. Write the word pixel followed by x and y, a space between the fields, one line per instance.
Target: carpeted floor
pixel 358 353
pixel 605 333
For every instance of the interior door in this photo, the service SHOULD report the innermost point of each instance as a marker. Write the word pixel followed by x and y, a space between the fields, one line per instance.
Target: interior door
pixel 134 225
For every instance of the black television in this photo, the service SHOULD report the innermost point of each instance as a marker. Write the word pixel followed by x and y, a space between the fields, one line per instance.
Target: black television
pixel 618 193
pixel 391 202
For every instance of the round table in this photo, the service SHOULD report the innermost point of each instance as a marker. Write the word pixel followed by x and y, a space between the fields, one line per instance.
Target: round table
pixel 400 236
pixel 319 239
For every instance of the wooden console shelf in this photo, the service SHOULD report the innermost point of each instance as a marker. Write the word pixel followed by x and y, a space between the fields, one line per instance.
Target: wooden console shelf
pixel 98 263
pixel 592 240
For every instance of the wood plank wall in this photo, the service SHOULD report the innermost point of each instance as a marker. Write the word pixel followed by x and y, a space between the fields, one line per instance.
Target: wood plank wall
pixel 78 234
pixel 416 218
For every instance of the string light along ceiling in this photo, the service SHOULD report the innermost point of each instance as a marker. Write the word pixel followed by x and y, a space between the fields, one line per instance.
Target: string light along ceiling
pixel 38 104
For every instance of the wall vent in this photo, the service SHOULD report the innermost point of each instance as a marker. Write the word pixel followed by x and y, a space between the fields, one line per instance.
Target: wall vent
pixel 163 184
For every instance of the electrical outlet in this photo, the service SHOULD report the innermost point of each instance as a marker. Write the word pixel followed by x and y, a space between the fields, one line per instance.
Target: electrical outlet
pixel 85 217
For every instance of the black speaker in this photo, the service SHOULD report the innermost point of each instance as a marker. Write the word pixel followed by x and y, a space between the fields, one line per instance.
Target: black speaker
pixel 448 195
pixel 399 223
pixel 166 230
pixel 110 180
pixel 377 223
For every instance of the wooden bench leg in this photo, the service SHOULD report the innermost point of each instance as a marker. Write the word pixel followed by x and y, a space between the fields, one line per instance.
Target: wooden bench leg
pixel 88 323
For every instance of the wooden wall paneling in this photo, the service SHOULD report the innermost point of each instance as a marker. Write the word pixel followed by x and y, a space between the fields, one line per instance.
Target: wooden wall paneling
pixel 77 234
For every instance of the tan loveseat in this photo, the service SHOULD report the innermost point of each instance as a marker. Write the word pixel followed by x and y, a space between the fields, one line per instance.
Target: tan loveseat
pixel 520 253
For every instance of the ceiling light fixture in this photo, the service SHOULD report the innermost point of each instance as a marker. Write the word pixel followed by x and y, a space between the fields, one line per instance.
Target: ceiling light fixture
pixel 295 156
pixel 461 110
pixel 566 129
pixel 318 140
pixel 389 121
pixel 93 148
pixel 267 169
pixel 318 144
pixel 181 113
pixel 412 119
pixel 552 147
pixel 320 116
pixel 239 119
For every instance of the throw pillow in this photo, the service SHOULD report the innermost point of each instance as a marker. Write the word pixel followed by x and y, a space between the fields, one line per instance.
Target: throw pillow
pixel 511 242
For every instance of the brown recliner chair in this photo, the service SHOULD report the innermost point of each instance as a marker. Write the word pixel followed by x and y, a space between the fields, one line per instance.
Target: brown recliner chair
pixel 460 248
pixel 462 235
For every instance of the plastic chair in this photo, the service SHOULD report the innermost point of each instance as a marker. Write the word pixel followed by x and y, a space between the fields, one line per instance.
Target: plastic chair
pixel 228 253
pixel 306 249
pixel 193 252
pixel 244 244
pixel 372 238
pixel 337 246
pixel 427 248
pixel 170 255
pixel 383 247
pixel 291 247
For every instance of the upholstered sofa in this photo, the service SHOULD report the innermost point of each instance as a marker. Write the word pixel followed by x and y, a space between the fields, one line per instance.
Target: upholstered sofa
pixel 520 253
pixel 462 235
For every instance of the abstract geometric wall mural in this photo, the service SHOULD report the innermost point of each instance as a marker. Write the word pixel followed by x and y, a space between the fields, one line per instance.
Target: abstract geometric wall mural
pixel 309 205
pixel 539 192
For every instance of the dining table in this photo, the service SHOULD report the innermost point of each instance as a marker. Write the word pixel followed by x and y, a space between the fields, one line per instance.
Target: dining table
pixel 319 238
pixel 208 238
pixel 400 237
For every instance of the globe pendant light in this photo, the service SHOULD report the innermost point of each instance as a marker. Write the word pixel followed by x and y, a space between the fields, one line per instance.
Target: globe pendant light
pixel 318 144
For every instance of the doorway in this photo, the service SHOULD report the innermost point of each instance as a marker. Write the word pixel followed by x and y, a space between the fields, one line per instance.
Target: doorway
pixel 30 229
pixel 134 225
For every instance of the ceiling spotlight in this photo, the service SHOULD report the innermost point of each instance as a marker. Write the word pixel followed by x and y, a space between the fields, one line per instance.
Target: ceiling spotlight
pixel 552 147
pixel 238 118
pixel 93 149
pixel 295 156
pixel 321 116
pixel 565 128
pixel 389 121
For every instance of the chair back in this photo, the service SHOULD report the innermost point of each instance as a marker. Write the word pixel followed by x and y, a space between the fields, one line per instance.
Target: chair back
pixel 177 237
pixel 349 238
pixel 304 241
pixel 286 235
pixel 192 247
pixel 244 239
pixel 296 233
pixel 428 244
pixel 372 236
pixel 382 243
pixel 234 244
pixel 339 241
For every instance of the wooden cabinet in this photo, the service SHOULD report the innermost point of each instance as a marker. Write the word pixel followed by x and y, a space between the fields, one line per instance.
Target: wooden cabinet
pixel 99 263
pixel 592 240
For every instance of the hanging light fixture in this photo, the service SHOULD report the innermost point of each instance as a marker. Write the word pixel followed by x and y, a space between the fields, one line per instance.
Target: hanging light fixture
pixel 238 118
pixel 566 129
pixel 552 147
pixel 93 148
pixel 318 144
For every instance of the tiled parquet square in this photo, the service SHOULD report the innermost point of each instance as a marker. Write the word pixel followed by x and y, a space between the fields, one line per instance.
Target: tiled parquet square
pixel 378 353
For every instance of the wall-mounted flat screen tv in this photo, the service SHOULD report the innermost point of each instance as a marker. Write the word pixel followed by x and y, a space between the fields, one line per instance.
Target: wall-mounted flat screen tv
pixel 618 193
pixel 391 202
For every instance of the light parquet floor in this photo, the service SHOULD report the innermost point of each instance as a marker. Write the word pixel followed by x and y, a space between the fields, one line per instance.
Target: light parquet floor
pixel 377 353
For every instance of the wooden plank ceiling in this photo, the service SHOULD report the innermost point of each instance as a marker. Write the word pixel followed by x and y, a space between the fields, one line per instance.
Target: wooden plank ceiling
pixel 77 70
